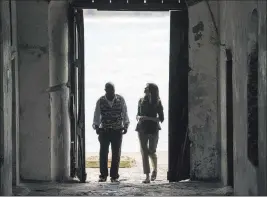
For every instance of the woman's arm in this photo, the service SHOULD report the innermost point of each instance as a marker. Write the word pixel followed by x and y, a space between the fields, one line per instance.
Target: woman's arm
pixel 160 112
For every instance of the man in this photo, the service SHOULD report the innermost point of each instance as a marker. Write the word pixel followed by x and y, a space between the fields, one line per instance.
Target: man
pixel 111 121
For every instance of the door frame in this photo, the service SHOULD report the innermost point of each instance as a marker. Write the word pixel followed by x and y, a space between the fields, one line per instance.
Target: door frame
pixel 76 104
pixel 182 165
pixel 132 5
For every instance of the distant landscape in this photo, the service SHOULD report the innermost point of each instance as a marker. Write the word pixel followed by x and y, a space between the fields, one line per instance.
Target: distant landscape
pixel 129 50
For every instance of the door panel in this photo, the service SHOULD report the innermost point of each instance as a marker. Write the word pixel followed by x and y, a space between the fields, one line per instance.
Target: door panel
pixel 229 112
pixel 179 145
pixel 81 104
pixel 72 104
pixel 77 114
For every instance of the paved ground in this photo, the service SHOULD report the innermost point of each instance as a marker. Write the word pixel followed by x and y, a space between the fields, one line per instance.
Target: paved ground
pixel 123 189
pixel 134 174
pixel 130 185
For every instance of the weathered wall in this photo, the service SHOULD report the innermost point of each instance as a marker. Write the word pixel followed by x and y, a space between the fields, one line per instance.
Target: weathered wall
pixel 262 172
pixel 43 63
pixel 234 32
pixel 59 97
pixel 35 135
pixel 5 102
pixel 15 96
pixel 203 60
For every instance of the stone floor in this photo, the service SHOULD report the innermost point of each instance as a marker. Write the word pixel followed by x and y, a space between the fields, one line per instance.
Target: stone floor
pixel 123 189
pixel 130 185
pixel 134 174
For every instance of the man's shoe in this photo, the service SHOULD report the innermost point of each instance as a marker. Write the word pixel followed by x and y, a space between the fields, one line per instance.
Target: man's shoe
pixel 102 179
pixel 114 180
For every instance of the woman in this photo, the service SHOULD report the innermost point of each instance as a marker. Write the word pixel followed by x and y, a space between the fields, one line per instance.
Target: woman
pixel 150 113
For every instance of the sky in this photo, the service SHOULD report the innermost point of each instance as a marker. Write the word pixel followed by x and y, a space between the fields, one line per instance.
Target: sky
pixel 129 51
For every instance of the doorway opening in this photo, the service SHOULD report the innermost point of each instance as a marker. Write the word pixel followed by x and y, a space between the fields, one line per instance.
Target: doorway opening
pixel 129 49
pixel 229 114
pixel 178 159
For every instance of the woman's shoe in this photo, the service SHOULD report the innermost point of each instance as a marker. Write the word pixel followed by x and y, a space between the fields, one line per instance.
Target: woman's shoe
pixel 154 176
pixel 146 181
pixel 114 180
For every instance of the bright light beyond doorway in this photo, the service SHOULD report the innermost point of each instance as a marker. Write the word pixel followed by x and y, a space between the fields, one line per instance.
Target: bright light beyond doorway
pixel 129 49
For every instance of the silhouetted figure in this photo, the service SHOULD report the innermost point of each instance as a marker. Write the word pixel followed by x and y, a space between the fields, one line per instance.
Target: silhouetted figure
pixel 150 113
pixel 110 122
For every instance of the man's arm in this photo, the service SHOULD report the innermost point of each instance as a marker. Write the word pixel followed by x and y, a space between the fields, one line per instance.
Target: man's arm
pixel 97 116
pixel 125 116
pixel 138 110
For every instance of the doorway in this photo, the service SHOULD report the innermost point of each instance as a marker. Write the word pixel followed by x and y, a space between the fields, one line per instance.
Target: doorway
pixel 178 142
pixel 129 49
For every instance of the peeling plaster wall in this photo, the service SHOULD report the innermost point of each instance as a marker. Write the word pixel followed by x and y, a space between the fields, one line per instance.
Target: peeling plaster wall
pixel 262 172
pixel 15 97
pixel 203 60
pixel 35 134
pixel 234 27
pixel 5 102
pixel 43 63
pixel 207 93
pixel 59 99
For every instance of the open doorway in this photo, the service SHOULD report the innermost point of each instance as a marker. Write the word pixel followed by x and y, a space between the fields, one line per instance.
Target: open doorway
pixel 178 158
pixel 129 49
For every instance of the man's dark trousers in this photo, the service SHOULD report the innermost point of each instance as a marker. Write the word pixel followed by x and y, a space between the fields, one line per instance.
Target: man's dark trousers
pixel 107 137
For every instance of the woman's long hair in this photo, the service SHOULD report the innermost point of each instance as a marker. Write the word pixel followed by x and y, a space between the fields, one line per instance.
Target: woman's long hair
pixel 154 91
